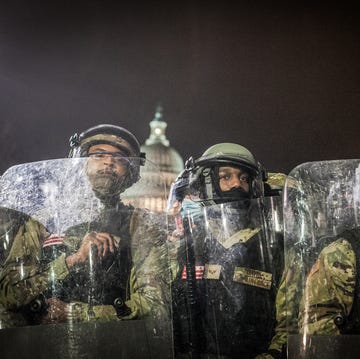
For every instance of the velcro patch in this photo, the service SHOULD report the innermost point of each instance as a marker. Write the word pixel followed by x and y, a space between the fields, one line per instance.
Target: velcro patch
pixel 199 272
pixel 252 277
pixel 53 240
pixel 212 271
pixel 240 237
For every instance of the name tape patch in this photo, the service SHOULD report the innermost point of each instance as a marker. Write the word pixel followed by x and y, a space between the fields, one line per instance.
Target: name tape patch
pixel 252 277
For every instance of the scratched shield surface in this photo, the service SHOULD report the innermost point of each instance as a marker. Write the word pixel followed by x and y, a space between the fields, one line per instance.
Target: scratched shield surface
pixel 321 234
pixel 225 292
pixel 47 209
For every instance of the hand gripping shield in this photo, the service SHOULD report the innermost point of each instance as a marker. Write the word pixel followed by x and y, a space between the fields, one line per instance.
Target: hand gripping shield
pixel 118 294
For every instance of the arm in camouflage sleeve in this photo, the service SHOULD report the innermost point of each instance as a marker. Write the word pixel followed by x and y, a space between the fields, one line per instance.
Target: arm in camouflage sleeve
pixel 149 278
pixel 287 302
pixel 287 307
pixel 329 289
pixel 279 339
pixel 23 277
pixel 149 294
pixel 144 297
pixel 150 284
pixel 152 270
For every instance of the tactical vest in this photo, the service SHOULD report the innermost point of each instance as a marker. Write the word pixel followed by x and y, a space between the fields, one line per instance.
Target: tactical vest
pixel 105 281
pixel 234 295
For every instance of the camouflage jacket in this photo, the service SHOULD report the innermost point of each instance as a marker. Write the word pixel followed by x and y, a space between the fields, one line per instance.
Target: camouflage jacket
pixel 25 274
pixel 287 306
pixel 330 288
pixel 289 294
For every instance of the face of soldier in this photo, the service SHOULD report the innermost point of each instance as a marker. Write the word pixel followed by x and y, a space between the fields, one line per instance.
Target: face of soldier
pixel 232 178
pixel 106 169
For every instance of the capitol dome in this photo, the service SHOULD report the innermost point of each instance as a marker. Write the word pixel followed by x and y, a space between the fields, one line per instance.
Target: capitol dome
pixel 160 156
pixel 158 149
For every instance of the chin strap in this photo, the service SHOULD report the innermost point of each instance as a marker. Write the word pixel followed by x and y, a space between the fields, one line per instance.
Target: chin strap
pixel 208 186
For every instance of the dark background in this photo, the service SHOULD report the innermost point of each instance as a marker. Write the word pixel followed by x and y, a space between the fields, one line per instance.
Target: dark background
pixel 281 80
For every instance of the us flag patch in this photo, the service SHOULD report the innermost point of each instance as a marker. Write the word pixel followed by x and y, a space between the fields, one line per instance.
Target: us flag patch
pixel 53 240
pixel 199 272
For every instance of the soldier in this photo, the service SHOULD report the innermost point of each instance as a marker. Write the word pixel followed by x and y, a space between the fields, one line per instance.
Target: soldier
pixel 330 305
pixel 292 279
pixel 95 270
pixel 319 284
pixel 225 292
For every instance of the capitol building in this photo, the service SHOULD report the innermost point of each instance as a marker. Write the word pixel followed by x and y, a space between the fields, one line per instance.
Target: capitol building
pixel 154 189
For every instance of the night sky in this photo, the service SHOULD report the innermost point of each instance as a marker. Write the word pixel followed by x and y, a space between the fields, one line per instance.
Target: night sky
pixel 283 81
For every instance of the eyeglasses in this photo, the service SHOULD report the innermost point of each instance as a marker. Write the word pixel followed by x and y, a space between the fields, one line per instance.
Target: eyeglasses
pixel 118 158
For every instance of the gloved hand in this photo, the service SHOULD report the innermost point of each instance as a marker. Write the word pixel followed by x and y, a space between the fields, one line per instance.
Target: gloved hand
pixel 192 209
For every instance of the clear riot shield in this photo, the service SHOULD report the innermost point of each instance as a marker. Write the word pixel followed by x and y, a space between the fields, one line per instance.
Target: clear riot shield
pixel 83 273
pixel 224 294
pixel 273 211
pixel 321 231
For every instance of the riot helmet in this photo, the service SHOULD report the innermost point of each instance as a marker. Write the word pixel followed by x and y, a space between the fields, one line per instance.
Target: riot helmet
pixel 201 176
pixel 110 134
pixel 115 136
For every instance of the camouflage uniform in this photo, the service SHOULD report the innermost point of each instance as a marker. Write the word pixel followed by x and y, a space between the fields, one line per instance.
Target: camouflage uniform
pixel 276 183
pixel 287 307
pixel 10 222
pixel 29 271
pixel 330 289
pixel 234 306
